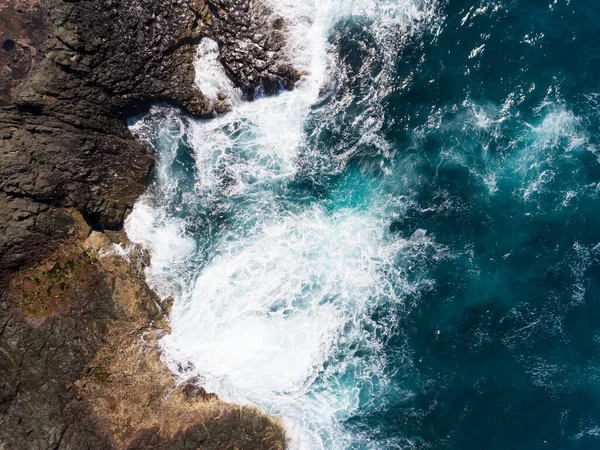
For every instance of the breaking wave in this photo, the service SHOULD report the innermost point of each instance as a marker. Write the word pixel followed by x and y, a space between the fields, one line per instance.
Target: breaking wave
pixel 345 255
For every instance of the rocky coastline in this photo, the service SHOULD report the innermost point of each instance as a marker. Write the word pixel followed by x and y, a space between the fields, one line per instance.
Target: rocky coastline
pixel 79 328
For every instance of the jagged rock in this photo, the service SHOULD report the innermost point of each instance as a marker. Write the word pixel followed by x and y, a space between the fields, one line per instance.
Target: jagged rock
pixel 250 39
pixel 90 66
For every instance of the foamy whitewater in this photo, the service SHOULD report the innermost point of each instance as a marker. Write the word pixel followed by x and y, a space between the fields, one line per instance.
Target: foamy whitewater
pixel 304 235
pixel 276 312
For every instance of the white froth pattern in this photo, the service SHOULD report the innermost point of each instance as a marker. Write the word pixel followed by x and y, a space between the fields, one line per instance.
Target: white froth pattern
pixel 167 242
pixel 279 316
pixel 210 76
pixel 268 311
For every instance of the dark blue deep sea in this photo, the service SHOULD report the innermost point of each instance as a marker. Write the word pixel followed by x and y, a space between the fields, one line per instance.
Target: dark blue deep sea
pixel 506 346
pixel 467 141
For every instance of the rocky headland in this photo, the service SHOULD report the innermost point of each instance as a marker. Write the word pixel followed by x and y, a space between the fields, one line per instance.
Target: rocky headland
pixel 79 328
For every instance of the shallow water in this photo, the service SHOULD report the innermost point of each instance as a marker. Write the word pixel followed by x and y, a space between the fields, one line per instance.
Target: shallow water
pixel 404 251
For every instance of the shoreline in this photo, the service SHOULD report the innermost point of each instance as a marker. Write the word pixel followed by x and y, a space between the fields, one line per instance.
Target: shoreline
pixel 79 329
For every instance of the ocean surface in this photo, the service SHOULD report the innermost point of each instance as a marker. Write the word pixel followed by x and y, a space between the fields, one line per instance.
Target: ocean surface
pixel 404 251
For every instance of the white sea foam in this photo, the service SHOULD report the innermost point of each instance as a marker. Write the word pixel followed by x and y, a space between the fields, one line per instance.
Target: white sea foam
pixel 167 242
pixel 278 313
pixel 210 74
pixel 270 310
pixel 546 146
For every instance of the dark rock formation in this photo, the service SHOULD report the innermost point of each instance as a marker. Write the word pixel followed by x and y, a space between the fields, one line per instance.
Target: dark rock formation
pixel 251 39
pixel 74 80
pixel 79 366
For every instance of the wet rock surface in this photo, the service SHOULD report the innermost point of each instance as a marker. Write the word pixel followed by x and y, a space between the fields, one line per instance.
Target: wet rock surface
pixel 77 71
pixel 79 360
pixel 251 38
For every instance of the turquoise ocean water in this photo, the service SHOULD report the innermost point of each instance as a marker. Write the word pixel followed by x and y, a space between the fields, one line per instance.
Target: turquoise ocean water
pixel 404 252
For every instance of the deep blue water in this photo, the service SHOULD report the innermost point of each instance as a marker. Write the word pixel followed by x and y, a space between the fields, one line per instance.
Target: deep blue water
pixel 506 345
pixel 486 142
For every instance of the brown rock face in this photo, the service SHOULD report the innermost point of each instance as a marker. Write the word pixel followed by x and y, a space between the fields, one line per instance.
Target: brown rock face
pixel 80 366
pixel 79 362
